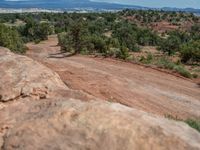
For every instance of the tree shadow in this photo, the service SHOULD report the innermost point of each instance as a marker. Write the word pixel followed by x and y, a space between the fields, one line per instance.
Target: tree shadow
pixel 198 84
pixel 54 45
pixel 61 55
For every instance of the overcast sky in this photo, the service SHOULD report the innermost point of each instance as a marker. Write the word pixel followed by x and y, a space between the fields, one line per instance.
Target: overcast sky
pixel 158 3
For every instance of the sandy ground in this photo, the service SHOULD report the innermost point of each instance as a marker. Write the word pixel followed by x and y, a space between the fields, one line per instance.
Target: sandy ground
pixel 129 84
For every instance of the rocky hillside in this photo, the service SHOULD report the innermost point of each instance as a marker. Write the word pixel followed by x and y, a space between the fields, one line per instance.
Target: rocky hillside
pixel 38 111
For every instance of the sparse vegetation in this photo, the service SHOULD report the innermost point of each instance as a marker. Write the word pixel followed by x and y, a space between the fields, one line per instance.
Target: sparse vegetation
pixel 191 52
pixel 35 31
pixel 119 35
pixel 167 64
pixel 148 60
pixel 194 124
pixel 170 45
pixel 11 39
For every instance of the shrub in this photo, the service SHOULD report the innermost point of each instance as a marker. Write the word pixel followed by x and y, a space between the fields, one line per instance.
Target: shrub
pixel 65 41
pixel 126 35
pixel 195 31
pixel 36 31
pixel 11 39
pixel 165 63
pixel 170 45
pixel 148 59
pixel 190 52
pixel 147 37
pixel 42 30
pixel 123 53
pixel 98 42
pixel 113 52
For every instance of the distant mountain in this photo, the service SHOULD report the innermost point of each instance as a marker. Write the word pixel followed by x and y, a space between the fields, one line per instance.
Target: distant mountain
pixel 63 4
pixel 78 4
pixel 192 10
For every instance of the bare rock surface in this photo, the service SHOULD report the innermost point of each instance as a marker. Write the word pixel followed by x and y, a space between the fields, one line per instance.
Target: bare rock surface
pixel 66 119
pixel 21 76
pixel 69 124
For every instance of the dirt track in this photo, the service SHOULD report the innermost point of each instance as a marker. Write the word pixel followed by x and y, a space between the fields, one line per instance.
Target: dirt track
pixel 132 85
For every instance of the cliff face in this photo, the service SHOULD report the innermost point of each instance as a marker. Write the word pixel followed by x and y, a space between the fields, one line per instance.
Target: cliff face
pixel 38 111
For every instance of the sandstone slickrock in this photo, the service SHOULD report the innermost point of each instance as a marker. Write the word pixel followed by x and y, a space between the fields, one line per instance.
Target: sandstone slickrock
pixel 65 120
pixel 21 76
pixel 74 125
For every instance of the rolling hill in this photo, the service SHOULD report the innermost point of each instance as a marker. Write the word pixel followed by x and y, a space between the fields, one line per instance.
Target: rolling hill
pixel 78 4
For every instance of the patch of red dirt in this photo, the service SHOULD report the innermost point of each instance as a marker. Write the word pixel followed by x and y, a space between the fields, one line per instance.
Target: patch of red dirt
pixel 164 26
pixel 129 84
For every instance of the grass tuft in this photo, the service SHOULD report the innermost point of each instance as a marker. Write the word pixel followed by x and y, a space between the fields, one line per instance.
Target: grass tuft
pixel 194 124
pixel 167 64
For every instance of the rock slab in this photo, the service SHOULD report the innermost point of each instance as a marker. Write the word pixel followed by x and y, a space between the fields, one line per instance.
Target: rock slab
pixel 39 112
pixel 21 77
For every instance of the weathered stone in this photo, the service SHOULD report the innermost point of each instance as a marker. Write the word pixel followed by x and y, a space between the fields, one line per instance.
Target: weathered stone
pixel 97 125
pixel 22 76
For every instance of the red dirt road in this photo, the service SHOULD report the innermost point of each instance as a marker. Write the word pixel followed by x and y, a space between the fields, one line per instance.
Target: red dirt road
pixel 129 84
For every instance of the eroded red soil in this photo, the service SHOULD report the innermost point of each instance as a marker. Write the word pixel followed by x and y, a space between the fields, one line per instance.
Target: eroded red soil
pixel 129 84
